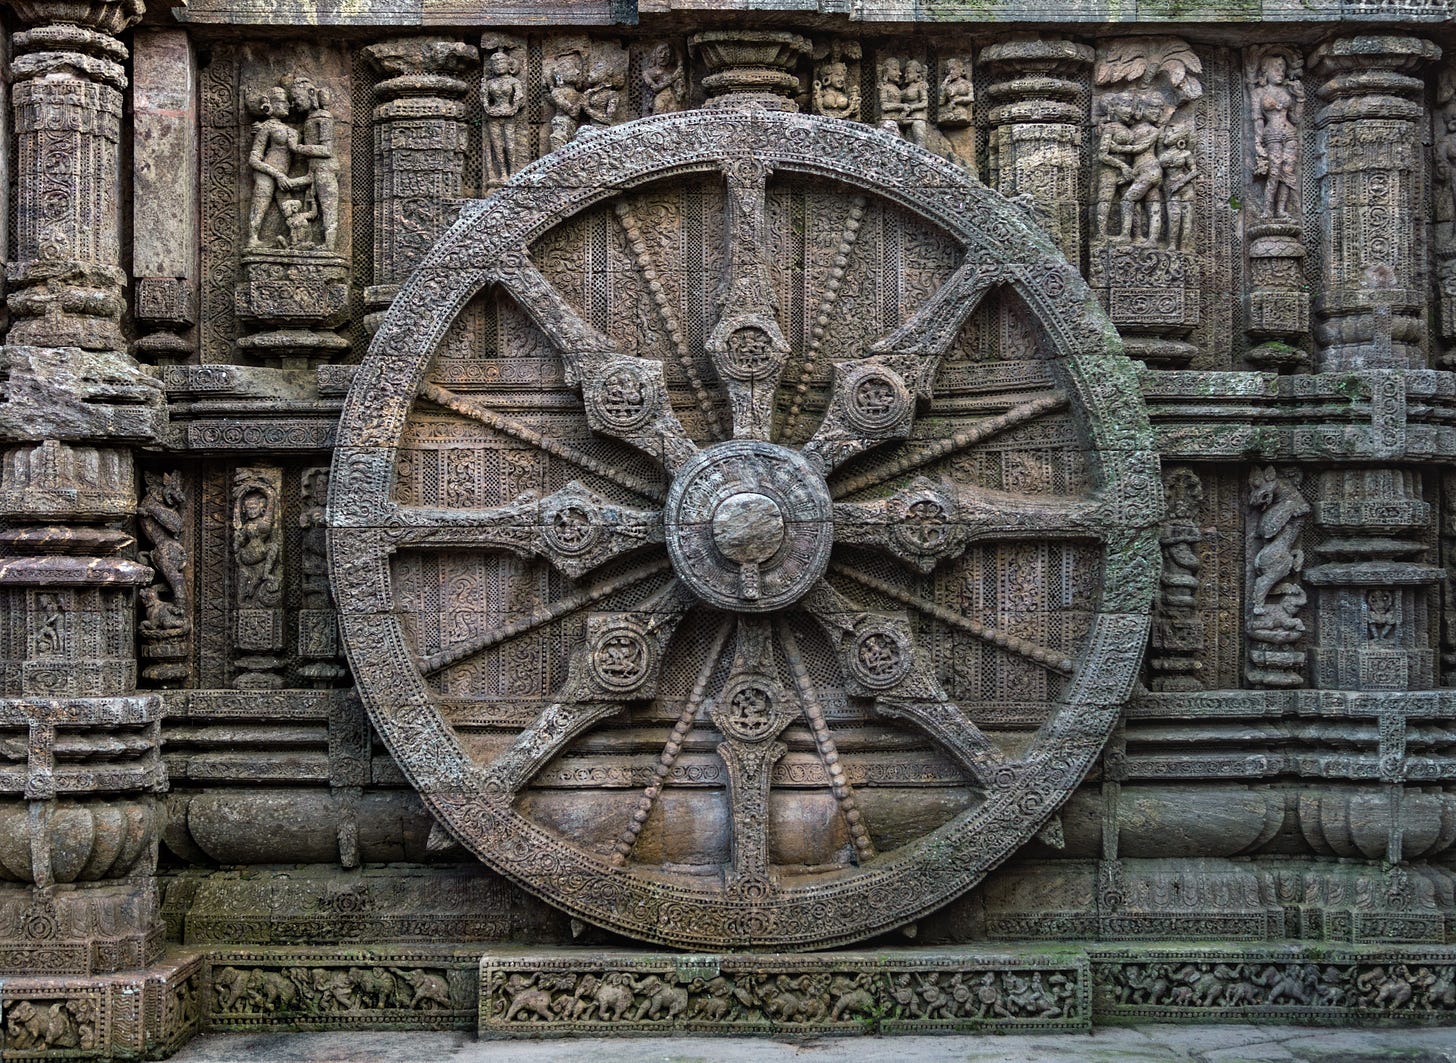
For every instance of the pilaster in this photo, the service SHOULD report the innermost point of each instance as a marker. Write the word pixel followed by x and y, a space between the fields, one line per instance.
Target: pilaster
pixel 68 75
pixel 1038 109
pixel 1368 147
pixel 80 800
pixel 419 154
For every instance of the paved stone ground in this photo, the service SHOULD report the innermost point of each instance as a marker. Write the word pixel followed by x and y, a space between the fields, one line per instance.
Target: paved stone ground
pixel 1179 1044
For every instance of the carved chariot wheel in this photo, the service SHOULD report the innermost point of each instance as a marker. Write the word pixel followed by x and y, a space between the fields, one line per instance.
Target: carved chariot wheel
pixel 686 553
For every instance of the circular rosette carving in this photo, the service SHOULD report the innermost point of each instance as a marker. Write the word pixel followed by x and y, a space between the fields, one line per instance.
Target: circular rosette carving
pixel 743 530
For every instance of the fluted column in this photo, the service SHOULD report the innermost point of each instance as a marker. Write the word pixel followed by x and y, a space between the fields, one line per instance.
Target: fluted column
pixel 1036 129
pixel 66 280
pixel 419 154
pixel 1368 143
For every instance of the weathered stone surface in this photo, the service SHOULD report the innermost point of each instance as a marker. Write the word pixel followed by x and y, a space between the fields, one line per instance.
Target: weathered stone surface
pixel 68 394
pixel 601 476
pixel 575 991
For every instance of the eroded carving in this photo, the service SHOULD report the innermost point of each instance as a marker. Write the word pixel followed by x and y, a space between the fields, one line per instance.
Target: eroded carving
pixel 280 150
pixel 167 602
pixel 664 80
pixel 1276 562
pixel 1146 192
pixel 1177 641
pixel 257 548
pixel 504 99
pixel 641 993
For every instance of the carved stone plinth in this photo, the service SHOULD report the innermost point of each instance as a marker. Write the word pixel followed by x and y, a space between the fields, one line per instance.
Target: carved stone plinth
pixel 575 992
pixel 1278 305
pixel 86 902
pixel 1274 984
pixel 1152 295
pixel 82 825
pixel 321 906
pixel 298 294
pixel 135 1015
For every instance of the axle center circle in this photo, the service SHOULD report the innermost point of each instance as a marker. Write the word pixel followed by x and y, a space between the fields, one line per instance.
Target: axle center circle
pixel 748 527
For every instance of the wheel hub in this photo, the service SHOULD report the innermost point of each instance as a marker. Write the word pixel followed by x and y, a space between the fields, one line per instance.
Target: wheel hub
pixel 749 525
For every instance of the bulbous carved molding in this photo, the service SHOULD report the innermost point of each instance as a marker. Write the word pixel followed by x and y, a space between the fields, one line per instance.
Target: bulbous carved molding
pixel 104 16
pixel 86 840
pixel 751 65
pixel 421 66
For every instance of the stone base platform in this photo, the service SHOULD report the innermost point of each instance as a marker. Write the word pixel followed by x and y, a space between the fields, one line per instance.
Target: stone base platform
pixel 545 992
pixel 145 1014
pixel 542 992
pixel 586 991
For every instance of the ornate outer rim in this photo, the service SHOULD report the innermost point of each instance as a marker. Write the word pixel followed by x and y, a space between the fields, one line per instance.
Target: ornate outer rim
pixel 899 886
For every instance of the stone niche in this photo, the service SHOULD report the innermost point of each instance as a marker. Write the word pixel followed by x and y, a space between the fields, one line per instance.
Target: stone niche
pixel 614 517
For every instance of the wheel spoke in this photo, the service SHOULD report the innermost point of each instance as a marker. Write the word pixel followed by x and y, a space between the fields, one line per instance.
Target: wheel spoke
pixel 750 712
pixel 540 617
pixel 627 840
pixel 1045 656
pixel 927 522
pixel 620 660
pixel 864 848
pixel 651 275
pixel 874 397
pixel 832 286
pixel 625 396
pixel 747 345
pixel 933 328
pixel 906 460
pixel 574 529
pixel 477 411
pixel 880 659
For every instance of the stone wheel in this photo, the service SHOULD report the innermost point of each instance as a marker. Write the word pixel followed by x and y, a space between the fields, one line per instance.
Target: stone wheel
pixel 679 665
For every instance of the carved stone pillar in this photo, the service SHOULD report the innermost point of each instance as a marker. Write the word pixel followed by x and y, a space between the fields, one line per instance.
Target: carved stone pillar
pixel 1374 591
pixel 1278 299
pixel 66 280
pixel 1036 121
pixel 78 802
pixel 419 154
pixel 1372 598
pixel 79 818
pixel 164 191
pixel 1368 141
